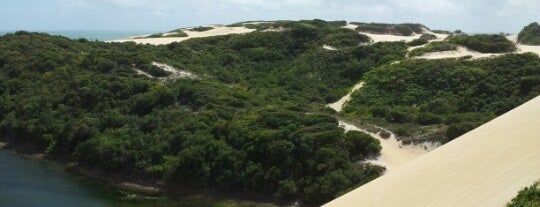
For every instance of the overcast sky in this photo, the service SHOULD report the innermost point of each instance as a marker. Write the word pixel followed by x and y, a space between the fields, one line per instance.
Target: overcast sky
pixel 475 16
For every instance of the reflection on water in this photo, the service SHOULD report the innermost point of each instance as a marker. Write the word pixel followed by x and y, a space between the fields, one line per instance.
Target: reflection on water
pixel 33 183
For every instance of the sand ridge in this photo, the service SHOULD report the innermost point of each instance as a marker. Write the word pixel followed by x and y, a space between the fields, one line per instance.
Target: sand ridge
pixel 216 31
pixel 485 167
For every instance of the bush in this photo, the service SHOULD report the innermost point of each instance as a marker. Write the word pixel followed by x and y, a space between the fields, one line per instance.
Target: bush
pixel 428 37
pixel 201 29
pixel 418 42
pixel 530 35
pixel 433 47
pixel 484 43
pixel 528 197
pixel 394 29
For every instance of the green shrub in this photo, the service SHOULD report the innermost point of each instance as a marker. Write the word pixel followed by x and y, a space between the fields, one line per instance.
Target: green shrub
pixel 528 197
pixel 433 47
pixel 418 42
pixel 394 29
pixel 201 29
pixel 530 35
pixel 484 43
pixel 428 37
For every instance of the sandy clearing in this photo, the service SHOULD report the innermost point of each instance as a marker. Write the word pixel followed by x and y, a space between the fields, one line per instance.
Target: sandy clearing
pixel 485 167
pixel 328 47
pixel 394 153
pixel 175 73
pixel 217 31
pixel 338 105
pixel 390 38
pixel 460 52
pixel 350 26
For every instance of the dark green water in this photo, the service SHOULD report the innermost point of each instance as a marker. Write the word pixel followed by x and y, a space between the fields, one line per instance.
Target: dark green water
pixel 26 182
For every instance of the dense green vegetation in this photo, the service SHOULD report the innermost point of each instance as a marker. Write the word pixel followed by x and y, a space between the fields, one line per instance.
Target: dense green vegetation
pixel 433 47
pixel 528 197
pixel 530 35
pixel 256 122
pixel 445 98
pixel 176 33
pixel 394 29
pixel 201 29
pixel 256 119
pixel 484 43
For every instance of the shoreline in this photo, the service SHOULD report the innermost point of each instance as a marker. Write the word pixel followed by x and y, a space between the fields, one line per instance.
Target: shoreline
pixel 172 192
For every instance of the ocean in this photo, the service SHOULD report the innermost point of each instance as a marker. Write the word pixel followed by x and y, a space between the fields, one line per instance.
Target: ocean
pixel 93 35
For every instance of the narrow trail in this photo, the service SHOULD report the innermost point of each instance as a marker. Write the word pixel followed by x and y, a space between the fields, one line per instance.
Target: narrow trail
pixel 394 153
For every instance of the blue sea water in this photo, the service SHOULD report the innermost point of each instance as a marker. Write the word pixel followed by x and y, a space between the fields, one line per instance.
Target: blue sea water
pixel 93 35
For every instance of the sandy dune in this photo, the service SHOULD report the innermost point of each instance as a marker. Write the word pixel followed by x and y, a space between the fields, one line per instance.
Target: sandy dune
pixel 338 105
pixel 485 167
pixel 217 31
pixel 390 38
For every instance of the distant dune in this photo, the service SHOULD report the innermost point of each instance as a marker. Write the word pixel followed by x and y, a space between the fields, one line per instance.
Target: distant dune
pixel 485 167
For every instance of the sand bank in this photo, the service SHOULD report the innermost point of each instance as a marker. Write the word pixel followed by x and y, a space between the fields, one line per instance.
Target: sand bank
pixel 485 167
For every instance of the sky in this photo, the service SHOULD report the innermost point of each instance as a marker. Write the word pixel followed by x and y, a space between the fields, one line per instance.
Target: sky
pixel 473 16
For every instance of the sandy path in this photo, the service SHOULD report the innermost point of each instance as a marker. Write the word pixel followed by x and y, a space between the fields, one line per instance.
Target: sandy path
pixel 393 153
pixel 485 167
pixel 217 31
pixel 338 105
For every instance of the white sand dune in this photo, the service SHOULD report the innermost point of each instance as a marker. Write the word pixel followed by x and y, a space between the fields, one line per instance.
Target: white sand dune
pixel 338 105
pixel 217 31
pixel 485 167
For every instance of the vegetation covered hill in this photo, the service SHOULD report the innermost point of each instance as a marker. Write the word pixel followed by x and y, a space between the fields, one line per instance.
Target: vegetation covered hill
pixel 254 122
pixel 443 99
pixel 255 119
pixel 530 35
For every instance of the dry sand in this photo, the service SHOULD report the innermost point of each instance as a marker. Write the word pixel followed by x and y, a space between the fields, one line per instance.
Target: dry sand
pixel 338 105
pixel 217 31
pixel 485 167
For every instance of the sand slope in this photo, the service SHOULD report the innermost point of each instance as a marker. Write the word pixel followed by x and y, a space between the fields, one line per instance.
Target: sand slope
pixel 485 167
